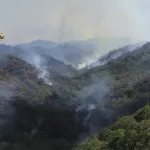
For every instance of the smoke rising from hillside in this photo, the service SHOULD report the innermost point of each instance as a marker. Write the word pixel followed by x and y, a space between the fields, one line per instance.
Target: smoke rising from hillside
pixel 63 23
pixel 37 61
pixel 84 19
pixel 44 74
pixel 108 20
pixel 91 99
pixel 93 94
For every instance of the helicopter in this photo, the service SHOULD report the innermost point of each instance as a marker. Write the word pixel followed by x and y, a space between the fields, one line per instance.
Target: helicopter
pixel 2 36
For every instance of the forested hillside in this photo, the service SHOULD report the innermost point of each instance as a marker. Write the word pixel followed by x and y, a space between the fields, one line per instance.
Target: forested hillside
pixel 128 81
pixel 129 132
pixel 125 76
pixel 61 115
pixel 32 111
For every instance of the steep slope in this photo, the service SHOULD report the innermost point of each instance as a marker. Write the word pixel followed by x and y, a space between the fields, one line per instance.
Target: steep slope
pixel 39 59
pixel 123 73
pixel 33 115
pixel 115 54
pixel 118 88
pixel 21 79
pixel 99 95
pixel 52 64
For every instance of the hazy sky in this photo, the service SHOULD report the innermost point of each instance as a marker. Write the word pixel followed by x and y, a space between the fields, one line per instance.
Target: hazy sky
pixel 63 20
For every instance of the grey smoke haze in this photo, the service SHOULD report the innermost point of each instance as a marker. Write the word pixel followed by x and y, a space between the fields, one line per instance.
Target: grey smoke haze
pixel 63 26
pixel 76 53
pixel 94 94
pixel 79 20
pixel 92 18
pixel 119 52
pixel 91 99
pixel 71 9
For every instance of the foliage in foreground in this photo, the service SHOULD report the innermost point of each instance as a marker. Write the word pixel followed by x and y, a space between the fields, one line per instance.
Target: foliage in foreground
pixel 127 133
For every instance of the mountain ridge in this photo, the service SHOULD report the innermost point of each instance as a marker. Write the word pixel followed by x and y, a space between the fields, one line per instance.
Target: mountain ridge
pixel 77 53
pixel 114 54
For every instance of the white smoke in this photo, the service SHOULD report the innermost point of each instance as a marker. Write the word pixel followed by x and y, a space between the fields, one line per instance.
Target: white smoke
pixel 90 101
pixel 93 94
pixel 115 55
pixel 44 74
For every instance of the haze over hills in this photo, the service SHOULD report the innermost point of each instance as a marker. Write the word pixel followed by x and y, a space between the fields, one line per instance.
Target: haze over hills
pixel 39 43
pixel 76 53
pixel 38 59
pixel 114 54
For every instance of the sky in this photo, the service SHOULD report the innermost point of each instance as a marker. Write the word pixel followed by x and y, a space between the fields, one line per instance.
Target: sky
pixel 66 20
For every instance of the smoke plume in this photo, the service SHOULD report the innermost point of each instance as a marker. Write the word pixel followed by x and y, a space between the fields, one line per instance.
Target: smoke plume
pixel 38 61
pixel 64 19
pixel 92 99
pixel 62 26
pixel 105 19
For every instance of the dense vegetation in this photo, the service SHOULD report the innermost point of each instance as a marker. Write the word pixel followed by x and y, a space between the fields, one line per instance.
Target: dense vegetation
pixel 42 115
pixel 22 78
pixel 32 127
pixel 33 115
pixel 125 78
pixel 128 81
pixel 127 133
